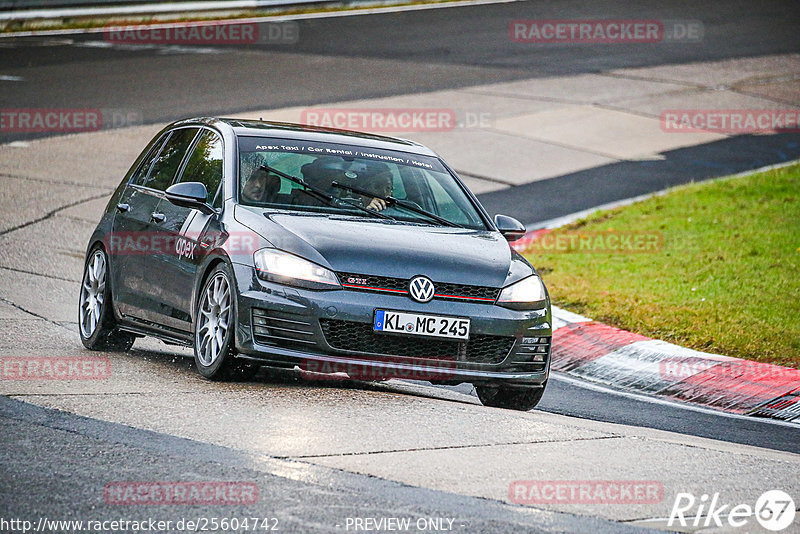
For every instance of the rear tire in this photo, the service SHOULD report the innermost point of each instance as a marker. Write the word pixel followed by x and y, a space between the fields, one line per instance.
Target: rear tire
pixel 97 325
pixel 214 328
pixel 522 399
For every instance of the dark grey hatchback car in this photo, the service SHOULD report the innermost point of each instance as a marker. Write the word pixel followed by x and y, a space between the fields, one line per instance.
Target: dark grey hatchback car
pixel 337 252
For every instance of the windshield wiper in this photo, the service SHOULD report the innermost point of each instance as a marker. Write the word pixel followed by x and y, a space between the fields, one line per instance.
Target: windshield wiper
pixel 392 201
pixel 319 194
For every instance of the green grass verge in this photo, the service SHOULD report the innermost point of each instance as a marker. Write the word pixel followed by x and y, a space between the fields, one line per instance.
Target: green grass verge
pixel 101 21
pixel 724 278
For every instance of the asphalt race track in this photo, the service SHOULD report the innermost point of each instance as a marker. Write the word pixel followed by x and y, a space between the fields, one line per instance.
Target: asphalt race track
pixel 367 56
pixel 373 55
pixel 321 453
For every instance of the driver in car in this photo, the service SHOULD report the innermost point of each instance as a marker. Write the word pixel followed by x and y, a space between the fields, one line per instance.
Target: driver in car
pixel 379 184
pixel 322 172
pixel 319 175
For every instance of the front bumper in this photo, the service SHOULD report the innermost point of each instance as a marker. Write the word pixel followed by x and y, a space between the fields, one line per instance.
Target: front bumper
pixel 331 331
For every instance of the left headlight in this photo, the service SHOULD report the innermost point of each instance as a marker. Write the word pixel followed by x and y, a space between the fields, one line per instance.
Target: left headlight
pixel 284 268
pixel 527 294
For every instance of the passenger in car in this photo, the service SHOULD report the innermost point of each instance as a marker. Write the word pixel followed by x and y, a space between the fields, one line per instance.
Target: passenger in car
pixel 262 187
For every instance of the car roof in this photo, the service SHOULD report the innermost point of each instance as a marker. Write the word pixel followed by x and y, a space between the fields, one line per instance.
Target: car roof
pixel 303 132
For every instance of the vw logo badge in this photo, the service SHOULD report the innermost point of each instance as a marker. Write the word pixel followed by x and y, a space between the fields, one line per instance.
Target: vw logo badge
pixel 421 288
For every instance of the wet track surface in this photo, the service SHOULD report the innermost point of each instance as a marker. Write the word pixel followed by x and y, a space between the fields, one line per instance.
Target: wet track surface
pixel 293 496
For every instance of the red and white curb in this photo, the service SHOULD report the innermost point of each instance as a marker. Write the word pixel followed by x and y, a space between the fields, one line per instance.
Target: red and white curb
pixel 623 360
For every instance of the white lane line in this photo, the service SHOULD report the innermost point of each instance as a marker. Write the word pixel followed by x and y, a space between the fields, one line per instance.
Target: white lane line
pixel 7 78
pixel 567 317
pixel 278 18
pixel 165 49
pixel 664 402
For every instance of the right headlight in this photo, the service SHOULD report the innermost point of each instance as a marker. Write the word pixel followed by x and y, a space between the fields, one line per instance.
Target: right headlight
pixel 527 294
pixel 279 266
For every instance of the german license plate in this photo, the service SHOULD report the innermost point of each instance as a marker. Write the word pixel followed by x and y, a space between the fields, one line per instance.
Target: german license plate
pixel 417 324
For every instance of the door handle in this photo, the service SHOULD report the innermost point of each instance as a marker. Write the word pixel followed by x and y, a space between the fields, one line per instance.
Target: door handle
pixel 158 217
pixel 123 207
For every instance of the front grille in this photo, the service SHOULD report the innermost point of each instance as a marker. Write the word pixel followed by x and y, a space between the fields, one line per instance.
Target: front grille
pixel 466 292
pixel 282 329
pixel 363 281
pixel 444 290
pixel 351 336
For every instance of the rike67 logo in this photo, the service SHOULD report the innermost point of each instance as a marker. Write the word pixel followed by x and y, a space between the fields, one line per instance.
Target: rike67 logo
pixel 774 510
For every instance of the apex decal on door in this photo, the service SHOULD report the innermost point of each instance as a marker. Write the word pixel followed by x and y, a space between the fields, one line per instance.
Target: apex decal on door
pixel 185 248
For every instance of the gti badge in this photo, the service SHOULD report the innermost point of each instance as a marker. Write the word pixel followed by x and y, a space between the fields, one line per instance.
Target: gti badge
pixel 421 289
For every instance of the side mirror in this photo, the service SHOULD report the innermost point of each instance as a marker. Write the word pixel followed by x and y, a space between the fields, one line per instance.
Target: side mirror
pixel 511 228
pixel 190 195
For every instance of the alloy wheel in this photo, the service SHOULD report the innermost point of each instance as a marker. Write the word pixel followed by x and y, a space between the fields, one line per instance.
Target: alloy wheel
pixel 213 320
pixel 93 294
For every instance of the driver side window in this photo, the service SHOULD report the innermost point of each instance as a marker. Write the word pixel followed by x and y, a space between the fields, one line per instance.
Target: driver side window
pixel 205 165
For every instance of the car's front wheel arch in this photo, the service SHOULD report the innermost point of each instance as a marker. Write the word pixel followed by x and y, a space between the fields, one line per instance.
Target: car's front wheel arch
pixel 212 261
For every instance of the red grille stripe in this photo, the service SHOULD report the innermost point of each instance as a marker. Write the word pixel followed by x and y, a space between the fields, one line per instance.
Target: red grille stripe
pixel 376 288
pixel 465 298
pixel 406 292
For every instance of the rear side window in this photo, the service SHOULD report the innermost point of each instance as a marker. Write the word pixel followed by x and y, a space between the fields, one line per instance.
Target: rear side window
pixel 205 163
pixel 147 161
pixel 164 166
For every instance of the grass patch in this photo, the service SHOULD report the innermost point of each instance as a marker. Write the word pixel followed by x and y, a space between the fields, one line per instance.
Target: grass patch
pixel 724 276
pixel 91 22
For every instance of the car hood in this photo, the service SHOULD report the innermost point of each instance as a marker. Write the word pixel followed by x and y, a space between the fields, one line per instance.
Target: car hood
pixel 387 248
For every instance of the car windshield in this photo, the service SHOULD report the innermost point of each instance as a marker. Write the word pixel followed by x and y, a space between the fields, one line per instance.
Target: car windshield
pixel 413 184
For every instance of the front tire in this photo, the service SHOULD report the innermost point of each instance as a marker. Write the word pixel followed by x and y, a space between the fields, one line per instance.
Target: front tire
pixel 97 325
pixel 214 328
pixel 523 399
